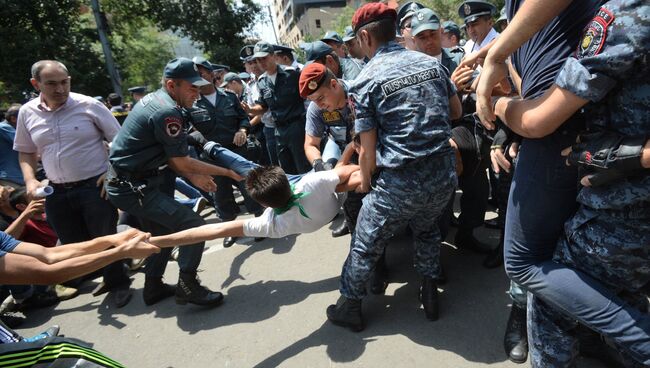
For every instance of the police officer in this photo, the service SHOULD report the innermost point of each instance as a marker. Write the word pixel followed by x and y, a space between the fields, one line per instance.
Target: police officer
pixel 451 38
pixel 404 14
pixel 426 32
pixel 278 88
pixel 414 172
pixel 228 125
pixel 327 114
pixel 145 156
pixel 284 56
pixel 137 93
pixel 333 40
pixel 477 16
pixel 115 104
pixel 354 51
pixel 320 52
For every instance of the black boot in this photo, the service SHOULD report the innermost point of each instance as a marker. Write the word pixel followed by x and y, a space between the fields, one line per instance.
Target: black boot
pixel 465 239
pixel 515 340
pixel 156 290
pixel 346 313
pixel 341 230
pixel 189 290
pixel 429 298
pixel 229 241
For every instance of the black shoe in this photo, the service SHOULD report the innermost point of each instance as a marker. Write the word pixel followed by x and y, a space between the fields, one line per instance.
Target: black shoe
pixel 346 313
pixel 465 239
pixel 156 290
pixel 257 240
pixel 429 298
pixel 121 295
pixel 229 241
pixel 38 300
pixel 515 340
pixel 189 290
pixel 493 223
pixel 495 258
pixel 341 230
pixel 12 319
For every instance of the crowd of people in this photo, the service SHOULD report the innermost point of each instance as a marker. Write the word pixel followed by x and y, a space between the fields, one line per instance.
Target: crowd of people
pixel 542 111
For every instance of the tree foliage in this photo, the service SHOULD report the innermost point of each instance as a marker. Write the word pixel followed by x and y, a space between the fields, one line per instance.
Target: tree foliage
pixel 47 29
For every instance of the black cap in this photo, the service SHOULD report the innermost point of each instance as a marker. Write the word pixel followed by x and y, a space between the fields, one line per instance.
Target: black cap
pixel 316 50
pixel 332 36
pixel 472 10
pixel 184 68
pixel 406 11
pixel 229 77
pixel 262 49
pixel 349 34
pixel 138 89
pixel 278 49
pixel 246 53
pixel 200 60
pixel 219 67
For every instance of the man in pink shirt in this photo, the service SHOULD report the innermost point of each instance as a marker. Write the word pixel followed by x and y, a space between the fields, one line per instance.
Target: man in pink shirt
pixel 69 132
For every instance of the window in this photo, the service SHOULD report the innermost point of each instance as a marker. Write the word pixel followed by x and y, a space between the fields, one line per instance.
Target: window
pixel 318 23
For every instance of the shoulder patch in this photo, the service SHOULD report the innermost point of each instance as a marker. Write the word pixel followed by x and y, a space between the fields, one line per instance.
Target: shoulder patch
pixel 410 80
pixel 173 126
pixel 331 116
pixel 595 34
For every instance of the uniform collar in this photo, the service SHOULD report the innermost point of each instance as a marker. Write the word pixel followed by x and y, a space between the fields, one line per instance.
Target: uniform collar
pixel 388 47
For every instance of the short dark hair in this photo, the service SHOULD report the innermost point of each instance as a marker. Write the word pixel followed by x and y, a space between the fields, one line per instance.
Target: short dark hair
pixel 269 186
pixel 382 30
pixel 288 54
pixel 114 99
pixel 17 197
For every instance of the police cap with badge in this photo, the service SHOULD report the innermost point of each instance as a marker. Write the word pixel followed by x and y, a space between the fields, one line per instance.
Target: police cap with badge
pixel 183 68
pixel 201 61
pixel 470 11
pixel 246 53
pixel 423 20
pixel 262 49
pixel 281 49
pixel 406 11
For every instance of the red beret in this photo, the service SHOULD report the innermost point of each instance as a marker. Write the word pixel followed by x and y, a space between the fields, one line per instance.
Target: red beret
pixel 311 77
pixel 371 12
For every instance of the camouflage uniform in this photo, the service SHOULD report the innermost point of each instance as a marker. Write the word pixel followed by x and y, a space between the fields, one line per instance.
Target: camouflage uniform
pixel 415 161
pixel 609 236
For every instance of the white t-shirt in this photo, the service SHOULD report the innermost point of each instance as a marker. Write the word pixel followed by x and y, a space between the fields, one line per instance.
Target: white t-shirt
pixel 321 205
pixel 471 46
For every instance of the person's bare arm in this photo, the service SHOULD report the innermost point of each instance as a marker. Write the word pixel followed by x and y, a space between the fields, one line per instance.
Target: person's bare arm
pixel 256 120
pixel 455 108
pixel 531 17
pixel 346 156
pixel 28 163
pixel 367 158
pixel 345 174
pixel 22 269
pixel 254 110
pixel 312 147
pixel 200 234
pixel 57 254
pixel 541 116
pixel 34 207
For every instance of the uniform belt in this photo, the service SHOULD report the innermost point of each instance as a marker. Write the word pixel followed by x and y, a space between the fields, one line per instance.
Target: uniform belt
pixel 139 175
pixel 74 184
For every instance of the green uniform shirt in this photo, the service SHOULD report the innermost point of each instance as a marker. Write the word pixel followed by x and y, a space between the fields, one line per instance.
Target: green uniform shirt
pixel 153 132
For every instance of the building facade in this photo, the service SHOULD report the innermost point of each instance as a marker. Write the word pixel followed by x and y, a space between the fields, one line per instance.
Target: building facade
pixel 297 19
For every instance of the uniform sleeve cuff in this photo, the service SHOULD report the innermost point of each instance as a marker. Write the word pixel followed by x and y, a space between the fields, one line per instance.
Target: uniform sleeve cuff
pixel 577 79
pixel 364 124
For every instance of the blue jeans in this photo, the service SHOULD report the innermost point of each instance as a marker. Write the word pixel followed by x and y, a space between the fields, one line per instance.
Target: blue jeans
pixel 542 198
pixel 79 214
pixel 271 145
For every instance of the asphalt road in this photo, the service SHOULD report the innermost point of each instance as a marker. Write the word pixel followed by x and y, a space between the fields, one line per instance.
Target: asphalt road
pixel 276 292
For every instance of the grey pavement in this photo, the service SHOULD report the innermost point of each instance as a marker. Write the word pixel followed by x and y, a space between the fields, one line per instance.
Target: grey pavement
pixel 276 292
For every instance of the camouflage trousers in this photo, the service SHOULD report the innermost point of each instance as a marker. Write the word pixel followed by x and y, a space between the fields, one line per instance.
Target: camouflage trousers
pixel 611 246
pixel 413 195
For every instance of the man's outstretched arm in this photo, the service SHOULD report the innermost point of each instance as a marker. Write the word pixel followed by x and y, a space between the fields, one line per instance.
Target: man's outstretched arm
pixel 200 234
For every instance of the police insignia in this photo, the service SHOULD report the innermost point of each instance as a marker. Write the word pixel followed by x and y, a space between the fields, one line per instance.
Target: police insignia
pixel 467 9
pixel 420 16
pixel 249 51
pixel 595 34
pixel 312 85
pixel 173 126
pixel 331 116
pixel 195 68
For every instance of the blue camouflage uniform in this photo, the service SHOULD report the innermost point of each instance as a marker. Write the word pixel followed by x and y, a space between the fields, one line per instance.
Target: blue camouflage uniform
pixel 416 166
pixel 608 238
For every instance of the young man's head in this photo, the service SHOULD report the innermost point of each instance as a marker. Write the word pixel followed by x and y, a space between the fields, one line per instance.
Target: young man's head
pixel 12 114
pixel 18 199
pixel 269 186
pixel 265 57
pixel 477 16
pixel 450 34
pixel 182 81
pixel 374 25
pixel 114 99
pixel 404 19
pixel 333 40
pixel 318 84
pixel 425 28
pixel 232 82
